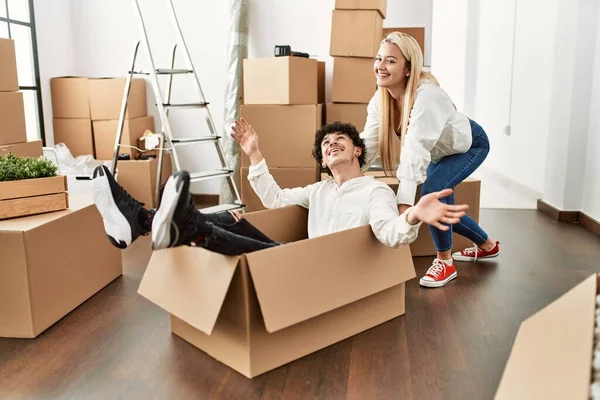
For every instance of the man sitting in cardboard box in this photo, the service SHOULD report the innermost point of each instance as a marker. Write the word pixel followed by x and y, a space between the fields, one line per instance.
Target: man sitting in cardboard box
pixel 347 201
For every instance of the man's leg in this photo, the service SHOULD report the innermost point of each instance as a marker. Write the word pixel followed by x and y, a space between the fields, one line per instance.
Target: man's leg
pixel 177 222
pixel 123 216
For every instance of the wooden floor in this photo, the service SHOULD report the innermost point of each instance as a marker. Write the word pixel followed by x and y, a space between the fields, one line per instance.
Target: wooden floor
pixel 452 343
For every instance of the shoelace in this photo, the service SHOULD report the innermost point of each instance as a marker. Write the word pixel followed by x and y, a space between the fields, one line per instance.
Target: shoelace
pixel 474 250
pixel 130 202
pixel 436 268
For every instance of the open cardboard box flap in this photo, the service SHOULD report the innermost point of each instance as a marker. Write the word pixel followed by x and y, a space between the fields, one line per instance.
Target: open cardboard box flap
pixel 293 283
pixel 552 354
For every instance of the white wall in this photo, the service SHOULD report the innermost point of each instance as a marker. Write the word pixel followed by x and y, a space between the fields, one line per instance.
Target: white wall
pixel 56 54
pixel 411 13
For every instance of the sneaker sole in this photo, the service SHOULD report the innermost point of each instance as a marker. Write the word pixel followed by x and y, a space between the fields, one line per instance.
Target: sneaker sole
pixel 116 225
pixel 161 224
pixel 432 284
pixel 465 258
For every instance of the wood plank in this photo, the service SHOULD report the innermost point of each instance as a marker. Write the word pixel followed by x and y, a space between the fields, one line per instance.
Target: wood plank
pixel 32 187
pixel 33 205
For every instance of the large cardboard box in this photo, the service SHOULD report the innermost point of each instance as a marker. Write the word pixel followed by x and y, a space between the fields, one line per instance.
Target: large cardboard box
pixel 353 80
pixel 280 80
pixel 48 267
pixel 32 148
pixel 379 5
pixel 355 114
pixel 286 133
pixel 321 93
pixel 106 97
pixel 138 177
pixel 551 358
pixel 416 32
pixel 105 134
pixel 12 118
pixel 76 134
pixel 70 97
pixel 466 192
pixel 355 33
pixel 8 66
pixel 261 310
pixel 286 178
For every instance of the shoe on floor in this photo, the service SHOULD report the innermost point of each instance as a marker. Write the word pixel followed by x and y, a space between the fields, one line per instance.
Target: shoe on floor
pixel 476 253
pixel 177 221
pixel 118 209
pixel 438 274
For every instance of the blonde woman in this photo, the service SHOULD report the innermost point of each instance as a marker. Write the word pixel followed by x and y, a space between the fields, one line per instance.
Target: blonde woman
pixel 440 147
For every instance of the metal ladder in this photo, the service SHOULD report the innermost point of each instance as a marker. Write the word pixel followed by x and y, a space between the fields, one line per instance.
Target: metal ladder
pixel 165 107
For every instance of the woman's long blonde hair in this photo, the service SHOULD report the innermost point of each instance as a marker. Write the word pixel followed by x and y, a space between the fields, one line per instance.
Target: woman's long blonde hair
pixel 389 135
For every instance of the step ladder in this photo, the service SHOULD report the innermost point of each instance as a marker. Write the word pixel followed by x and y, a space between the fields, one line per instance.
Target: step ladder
pixel 164 108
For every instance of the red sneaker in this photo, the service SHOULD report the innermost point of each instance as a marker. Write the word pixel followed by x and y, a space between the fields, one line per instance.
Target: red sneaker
pixel 438 274
pixel 475 253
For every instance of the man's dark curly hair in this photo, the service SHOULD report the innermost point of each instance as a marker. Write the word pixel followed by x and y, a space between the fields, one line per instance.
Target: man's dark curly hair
pixel 338 127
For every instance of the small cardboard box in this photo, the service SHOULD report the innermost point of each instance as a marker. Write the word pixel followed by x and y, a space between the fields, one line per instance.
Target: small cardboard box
pixel 33 196
pixel 76 134
pixel 467 192
pixel 12 118
pixel 353 80
pixel 378 5
pixel 106 97
pixel 48 267
pixel 8 66
pixel 355 33
pixel 105 134
pixel 552 354
pixel 286 178
pixel 321 93
pixel 280 80
pixel 32 148
pixel 286 133
pixel 261 310
pixel 70 97
pixel 355 114
pixel 138 177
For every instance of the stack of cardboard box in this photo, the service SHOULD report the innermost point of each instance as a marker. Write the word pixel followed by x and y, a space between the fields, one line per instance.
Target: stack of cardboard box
pixel 356 32
pixel 282 98
pixel 13 134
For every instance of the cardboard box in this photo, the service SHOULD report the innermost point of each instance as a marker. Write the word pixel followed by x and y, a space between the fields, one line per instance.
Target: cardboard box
pixel 466 192
pixel 286 178
pixel 353 80
pixel 76 134
pixel 552 354
pixel 138 177
pixel 355 114
pixel 70 97
pixel 106 97
pixel 261 310
pixel 378 5
pixel 321 93
pixel 286 133
pixel 33 196
pixel 280 80
pixel 32 148
pixel 355 33
pixel 48 267
pixel 8 66
pixel 105 134
pixel 418 33
pixel 12 118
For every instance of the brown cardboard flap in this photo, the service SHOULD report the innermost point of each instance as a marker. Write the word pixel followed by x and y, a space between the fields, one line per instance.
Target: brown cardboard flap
pixel 552 354
pixel 286 224
pixel 190 283
pixel 301 280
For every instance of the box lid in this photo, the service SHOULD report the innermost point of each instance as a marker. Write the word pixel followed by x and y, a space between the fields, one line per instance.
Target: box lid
pixel 190 283
pixel 304 279
pixel 552 354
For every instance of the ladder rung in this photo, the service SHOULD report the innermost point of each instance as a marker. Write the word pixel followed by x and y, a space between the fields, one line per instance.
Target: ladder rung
pixel 221 208
pixel 202 176
pixel 170 71
pixel 185 105
pixel 208 138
